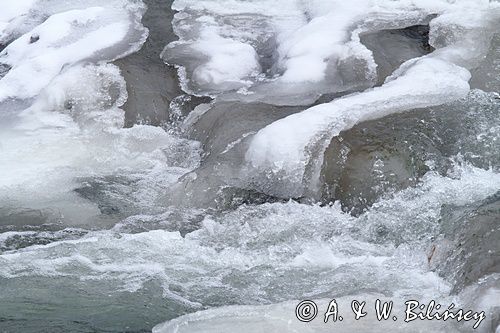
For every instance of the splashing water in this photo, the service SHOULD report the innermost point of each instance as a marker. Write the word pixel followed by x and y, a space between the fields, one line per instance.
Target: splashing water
pixel 316 150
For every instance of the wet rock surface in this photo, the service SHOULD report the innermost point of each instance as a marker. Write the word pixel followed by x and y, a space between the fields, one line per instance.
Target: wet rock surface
pixel 223 128
pixel 469 248
pixel 386 155
pixel 13 218
pixel 155 247
pixel 391 48
pixel 487 75
pixel 372 160
pixel 151 85
pixel 225 123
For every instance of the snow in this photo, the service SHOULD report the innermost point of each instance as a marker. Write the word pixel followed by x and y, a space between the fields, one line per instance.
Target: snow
pixel 60 118
pixel 12 10
pixel 62 40
pixel 287 145
pixel 230 61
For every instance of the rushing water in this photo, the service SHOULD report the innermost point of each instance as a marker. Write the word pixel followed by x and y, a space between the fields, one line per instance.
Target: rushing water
pixel 203 165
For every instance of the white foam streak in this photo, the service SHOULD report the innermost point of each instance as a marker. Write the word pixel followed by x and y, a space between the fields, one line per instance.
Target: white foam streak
pixel 269 239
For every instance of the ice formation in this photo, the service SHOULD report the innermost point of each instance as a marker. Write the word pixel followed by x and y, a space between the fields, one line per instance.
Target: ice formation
pixel 310 48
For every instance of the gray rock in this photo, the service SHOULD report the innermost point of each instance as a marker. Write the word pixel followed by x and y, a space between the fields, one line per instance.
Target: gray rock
pixel 379 157
pixel 470 248
pixel 151 84
pixel 487 75
pixel 391 48
pixel 224 129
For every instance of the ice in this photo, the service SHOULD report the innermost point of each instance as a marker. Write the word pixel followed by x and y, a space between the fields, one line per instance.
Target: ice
pixel 79 133
pixel 61 123
pixel 278 318
pixel 222 67
pixel 64 39
pixel 302 59
pixel 99 217
pixel 23 16
pixel 313 49
pixel 263 33
pixel 10 11
pixel 290 144
pixel 306 50
pixel 292 147
pixel 377 158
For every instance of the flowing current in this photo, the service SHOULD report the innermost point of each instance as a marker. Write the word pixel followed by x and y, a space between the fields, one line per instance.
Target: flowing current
pixel 204 165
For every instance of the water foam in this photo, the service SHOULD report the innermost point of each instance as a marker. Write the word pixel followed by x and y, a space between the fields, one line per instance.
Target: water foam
pixel 266 253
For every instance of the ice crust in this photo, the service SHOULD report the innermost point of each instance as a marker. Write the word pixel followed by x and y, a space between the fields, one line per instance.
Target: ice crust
pixel 277 318
pixel 309 48
pixel 313 46
pixel 61 132
pixel 60 117
pixel 66 38
pixel 293 146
